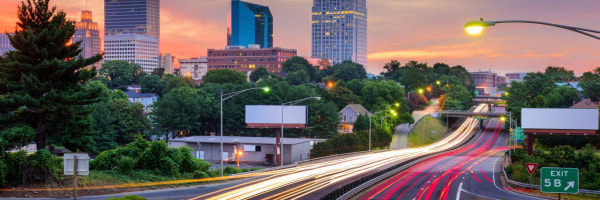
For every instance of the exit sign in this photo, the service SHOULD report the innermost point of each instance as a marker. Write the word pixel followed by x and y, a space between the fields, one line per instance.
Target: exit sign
pixel 559 180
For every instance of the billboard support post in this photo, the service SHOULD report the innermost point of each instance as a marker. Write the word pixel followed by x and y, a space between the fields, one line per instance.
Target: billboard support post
pixel 290 103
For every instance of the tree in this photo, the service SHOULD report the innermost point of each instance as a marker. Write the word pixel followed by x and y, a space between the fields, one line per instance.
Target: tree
pixel 129 118
pixel 297 63
pixel 590 83
pixel 158 72
pixel 297 77
pixel 341 96
pixel 441 69
pixel 258 73
pixel 120 74
pixel 181 110
pixel 392 70
pixel 175 82
pixel 560 74
pixel 457 98
pixel 347 71
pixel 153 84
pixel 224 76
pixel 412 79
pixel 41 80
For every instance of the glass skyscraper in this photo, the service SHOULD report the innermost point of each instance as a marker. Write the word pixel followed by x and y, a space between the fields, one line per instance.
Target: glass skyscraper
pixel 132 16
pixel 339 30
pixel 250 24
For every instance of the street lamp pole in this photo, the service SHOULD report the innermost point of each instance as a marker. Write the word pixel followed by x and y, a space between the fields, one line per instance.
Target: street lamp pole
pixel 223 98
pixel 475 27
pixel 290 103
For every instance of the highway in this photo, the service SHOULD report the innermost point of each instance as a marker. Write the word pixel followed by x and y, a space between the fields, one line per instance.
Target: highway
pixel 470 172
pixel 316 179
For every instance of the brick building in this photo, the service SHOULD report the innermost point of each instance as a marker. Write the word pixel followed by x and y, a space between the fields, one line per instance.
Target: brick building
pixel 247 59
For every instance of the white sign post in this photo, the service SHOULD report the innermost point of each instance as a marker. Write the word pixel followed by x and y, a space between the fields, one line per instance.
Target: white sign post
pixel 74 164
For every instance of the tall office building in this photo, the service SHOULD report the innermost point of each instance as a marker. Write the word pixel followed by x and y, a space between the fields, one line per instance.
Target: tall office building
pixel 5 45
pixel 87 33
pixel 250 24
pixel 132 16
pixel 339 30
pixel 137 21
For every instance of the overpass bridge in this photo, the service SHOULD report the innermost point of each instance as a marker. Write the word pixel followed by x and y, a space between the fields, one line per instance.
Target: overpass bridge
pixel 488 99
pixel 466 113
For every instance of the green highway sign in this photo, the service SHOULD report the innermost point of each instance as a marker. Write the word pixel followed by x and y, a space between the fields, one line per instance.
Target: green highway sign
pixel 517 134
pixel 559 180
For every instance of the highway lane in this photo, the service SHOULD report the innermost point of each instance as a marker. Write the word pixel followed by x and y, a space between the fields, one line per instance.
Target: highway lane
pixel 315 180
pixel 470 172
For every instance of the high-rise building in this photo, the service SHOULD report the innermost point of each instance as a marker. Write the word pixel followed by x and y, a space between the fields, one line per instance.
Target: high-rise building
pixel 133 48
pixel 250 24
pixel 87 33
pixel 132 16
pixel 166 62
pixel 138 21
pixel 5 45
pixel 339 30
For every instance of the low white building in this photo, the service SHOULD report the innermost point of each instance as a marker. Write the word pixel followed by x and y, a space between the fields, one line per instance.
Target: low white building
pixel 133 48
pixel 255 150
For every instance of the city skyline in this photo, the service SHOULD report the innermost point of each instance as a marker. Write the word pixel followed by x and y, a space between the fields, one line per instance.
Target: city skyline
pixel 427 31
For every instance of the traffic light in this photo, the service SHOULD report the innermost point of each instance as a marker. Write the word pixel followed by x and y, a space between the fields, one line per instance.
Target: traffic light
pixel 511 131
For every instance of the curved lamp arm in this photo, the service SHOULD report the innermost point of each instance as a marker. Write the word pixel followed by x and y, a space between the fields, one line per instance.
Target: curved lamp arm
pixel 479 25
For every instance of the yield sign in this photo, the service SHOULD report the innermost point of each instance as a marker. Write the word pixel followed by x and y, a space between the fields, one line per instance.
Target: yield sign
pixel 531 167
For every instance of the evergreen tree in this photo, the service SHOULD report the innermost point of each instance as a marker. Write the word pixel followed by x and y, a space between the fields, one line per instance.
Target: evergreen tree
pixel 40 82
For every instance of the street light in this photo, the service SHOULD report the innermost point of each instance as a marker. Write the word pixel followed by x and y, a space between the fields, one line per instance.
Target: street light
pixel 223 98
pixel 476 27
pixel 290 103
pixel 239 153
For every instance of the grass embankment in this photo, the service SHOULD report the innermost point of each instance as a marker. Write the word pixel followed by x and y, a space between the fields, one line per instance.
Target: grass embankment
pixel 427 131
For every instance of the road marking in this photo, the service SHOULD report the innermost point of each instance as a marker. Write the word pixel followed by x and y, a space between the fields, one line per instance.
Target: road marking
pixel 458 192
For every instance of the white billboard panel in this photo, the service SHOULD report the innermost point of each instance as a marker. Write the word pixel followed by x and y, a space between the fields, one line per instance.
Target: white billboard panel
pixel 271 114
pixel 559 118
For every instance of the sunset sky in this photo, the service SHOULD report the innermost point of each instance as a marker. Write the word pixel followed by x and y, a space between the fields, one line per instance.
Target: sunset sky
pixel 428 31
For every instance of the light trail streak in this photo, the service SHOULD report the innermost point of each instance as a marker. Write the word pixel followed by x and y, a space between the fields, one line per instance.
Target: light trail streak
pixel 301 180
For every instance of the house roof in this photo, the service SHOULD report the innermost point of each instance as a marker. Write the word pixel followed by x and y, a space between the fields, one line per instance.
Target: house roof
pixel 585 103
pixel 574 85
pixel 133 94
pixel 242 139
pixel 357 108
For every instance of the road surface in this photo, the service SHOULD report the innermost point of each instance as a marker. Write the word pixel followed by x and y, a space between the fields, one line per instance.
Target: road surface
pixel 470 172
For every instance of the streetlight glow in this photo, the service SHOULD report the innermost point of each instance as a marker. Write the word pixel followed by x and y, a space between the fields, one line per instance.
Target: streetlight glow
pixel 476 27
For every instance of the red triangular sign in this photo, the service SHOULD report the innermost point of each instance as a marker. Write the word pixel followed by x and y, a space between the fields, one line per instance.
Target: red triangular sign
pixel 531 167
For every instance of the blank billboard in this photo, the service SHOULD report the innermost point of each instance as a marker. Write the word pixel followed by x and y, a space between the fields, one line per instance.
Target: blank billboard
pixel 559 118
pixel 270 114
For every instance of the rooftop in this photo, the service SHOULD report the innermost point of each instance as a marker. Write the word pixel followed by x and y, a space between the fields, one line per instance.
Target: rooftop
pixel 242 139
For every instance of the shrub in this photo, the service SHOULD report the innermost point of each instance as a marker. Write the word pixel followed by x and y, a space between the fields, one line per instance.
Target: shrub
pixel 126 164
pixel 200 174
